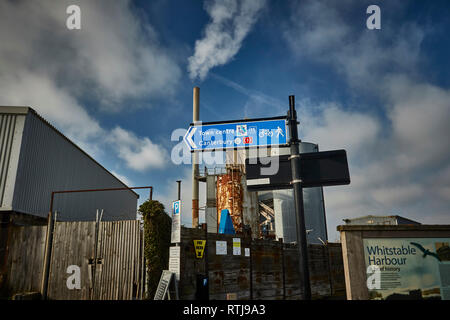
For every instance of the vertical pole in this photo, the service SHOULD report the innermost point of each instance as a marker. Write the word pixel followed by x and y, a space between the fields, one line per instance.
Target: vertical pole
pixel 178 198
pixel 195 169
pixel 48 255
pixel 205 253
pixel 251 268
pixel 179 189
pixel 143 282
pixel 298 199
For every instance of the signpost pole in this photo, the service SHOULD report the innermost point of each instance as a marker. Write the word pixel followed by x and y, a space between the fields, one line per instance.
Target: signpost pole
pixel 298 198
pixel 179 189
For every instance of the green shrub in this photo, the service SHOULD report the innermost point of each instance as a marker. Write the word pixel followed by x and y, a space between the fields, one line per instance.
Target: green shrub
pixel 157 228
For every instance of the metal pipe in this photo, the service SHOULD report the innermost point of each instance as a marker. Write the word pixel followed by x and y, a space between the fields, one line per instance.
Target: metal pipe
pixel 195 168
pixel 47 257
pixel 93 190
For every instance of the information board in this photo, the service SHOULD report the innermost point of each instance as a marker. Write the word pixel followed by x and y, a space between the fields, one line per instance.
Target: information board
pixel 163 284
pixel 174 261
pixel 409 268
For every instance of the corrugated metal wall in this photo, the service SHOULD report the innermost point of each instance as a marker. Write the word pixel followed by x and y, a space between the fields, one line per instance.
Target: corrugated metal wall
pixel 11 128
pixel 49 162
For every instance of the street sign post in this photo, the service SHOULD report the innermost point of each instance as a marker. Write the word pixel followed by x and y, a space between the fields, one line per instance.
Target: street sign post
pixel 298 199
pixel 319 169
pixel 296 171
pixel 237 134
pixel 176 222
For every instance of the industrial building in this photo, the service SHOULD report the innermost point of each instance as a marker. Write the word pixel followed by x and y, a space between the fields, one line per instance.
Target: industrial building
pixel 314 206
pixel 372 220
pixel 36 159
pixel 269 214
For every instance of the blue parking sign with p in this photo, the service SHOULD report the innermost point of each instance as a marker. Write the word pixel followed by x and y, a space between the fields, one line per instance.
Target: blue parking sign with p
pixel 176 207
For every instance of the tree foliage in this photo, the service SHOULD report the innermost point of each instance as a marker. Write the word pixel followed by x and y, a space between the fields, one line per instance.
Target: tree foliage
pixel 157 227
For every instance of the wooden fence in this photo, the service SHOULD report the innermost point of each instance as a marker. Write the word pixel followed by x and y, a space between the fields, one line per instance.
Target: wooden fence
pixel 271 272
pixel 22 265
pixel 110 256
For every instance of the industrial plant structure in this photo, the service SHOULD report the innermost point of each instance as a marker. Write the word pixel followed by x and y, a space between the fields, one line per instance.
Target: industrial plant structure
pixel 268 214
pixel 36 159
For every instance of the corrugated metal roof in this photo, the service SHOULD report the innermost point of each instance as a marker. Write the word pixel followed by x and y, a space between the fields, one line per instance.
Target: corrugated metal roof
pixel 25 109
pixel 379 217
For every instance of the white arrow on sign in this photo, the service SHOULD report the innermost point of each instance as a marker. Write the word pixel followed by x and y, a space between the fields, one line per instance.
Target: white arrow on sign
pixel 189 138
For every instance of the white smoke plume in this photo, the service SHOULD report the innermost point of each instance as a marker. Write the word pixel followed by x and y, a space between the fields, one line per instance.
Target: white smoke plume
pixel 231 21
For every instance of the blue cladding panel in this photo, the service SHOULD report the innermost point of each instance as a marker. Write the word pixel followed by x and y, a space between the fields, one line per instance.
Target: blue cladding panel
pixel 226 224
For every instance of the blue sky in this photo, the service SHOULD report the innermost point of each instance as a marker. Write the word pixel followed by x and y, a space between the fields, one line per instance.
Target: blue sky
pixel 123 83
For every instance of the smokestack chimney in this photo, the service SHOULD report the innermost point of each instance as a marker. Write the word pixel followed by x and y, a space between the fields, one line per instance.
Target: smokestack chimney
pixel 195 171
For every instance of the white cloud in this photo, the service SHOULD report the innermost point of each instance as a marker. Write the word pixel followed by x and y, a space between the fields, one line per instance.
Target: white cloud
pixel 114 57
pixel 419 113
pixel 319 30
pixel 122 178
pixel 397 168
pixel 139 154
pixel 397 195
pixel 231 21
pixel 56 105
pixel 315 28
pixel 398 158
pixel 114 61
pixel 336 128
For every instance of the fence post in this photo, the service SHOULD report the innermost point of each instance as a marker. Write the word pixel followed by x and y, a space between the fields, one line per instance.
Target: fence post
pixel 143 293
pixel 48 254
pixel 98 219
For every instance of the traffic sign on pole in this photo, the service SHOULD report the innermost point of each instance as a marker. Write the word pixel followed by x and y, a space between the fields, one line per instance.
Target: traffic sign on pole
pixel 176 222
pixel 318 169
pixel 237 134
pixel 298 200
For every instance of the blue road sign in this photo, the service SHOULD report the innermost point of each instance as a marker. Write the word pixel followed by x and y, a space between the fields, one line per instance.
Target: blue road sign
pixel 245 134
pixel 176 207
